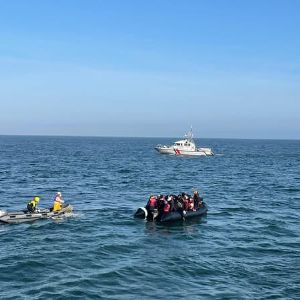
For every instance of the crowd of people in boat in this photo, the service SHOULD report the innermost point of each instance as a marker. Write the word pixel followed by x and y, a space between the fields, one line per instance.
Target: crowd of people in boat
pixel 171 203
pixel 32 205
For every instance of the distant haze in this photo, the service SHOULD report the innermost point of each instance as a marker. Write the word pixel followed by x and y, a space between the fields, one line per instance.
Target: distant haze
pixel 150 68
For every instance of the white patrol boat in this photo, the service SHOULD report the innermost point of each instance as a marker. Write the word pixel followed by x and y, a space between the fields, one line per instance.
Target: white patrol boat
pixel 185 147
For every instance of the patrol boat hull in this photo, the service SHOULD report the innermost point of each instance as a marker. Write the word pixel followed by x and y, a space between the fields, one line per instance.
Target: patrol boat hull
pixel 23 216
pixel 170 150
pixel 143 213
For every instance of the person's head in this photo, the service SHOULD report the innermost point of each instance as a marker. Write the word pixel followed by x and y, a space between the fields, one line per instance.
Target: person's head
pixel 36 199
pixel 58 194
pixel 195 192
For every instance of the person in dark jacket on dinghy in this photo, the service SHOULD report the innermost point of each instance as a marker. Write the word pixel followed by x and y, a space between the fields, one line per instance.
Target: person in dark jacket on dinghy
pixel 160 203
pixel 198 201
pixel 32 204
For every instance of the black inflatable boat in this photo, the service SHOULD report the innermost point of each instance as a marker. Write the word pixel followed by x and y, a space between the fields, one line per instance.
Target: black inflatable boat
pixel 144 213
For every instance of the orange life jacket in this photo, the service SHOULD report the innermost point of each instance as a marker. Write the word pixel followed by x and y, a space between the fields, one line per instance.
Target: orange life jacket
pixel 167 207
pixel 191 205
pixel 152 201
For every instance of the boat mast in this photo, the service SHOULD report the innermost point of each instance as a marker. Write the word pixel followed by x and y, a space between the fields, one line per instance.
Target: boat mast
pixel 189 136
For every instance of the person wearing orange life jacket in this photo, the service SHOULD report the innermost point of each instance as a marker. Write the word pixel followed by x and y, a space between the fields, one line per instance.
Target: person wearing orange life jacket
pixel 152 203
pixel 191 204
pixel 58 201
pixel 167 206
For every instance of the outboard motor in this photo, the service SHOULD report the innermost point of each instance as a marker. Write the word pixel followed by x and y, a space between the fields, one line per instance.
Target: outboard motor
pixel 2 213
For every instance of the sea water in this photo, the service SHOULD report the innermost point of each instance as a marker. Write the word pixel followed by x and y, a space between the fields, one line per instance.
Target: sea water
pixel 247 247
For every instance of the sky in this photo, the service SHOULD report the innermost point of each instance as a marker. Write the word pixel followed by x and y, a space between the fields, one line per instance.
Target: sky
pixel 150 68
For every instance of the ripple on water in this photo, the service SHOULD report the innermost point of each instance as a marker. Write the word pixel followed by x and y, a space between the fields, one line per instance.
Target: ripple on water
pixel 247 247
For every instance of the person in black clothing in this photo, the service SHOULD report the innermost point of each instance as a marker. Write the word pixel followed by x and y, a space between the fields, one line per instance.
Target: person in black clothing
pixel 198 201
pixel 171 202
pixel 160 203
pixel 32 204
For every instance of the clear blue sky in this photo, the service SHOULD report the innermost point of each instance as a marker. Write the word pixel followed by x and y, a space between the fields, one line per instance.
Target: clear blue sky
pixel 150 68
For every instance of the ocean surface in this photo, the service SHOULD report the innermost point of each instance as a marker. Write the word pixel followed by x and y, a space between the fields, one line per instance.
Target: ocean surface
pixel 247 247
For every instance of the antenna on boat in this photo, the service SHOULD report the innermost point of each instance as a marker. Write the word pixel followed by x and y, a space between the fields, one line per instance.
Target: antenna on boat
pixel 189 135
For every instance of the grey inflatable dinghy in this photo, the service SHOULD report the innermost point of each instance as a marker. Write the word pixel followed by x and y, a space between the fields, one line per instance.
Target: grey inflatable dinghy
pixel 24 216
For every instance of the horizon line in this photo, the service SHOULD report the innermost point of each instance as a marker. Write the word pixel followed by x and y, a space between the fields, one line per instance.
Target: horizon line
pixel 145 137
